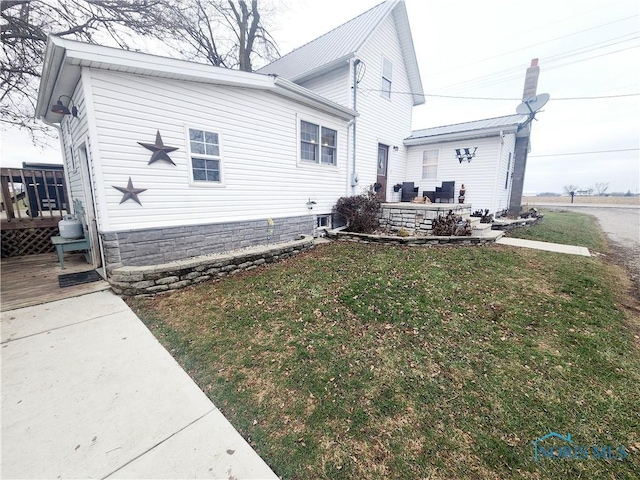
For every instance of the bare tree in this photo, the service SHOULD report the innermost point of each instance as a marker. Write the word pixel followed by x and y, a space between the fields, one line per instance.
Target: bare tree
pixel 601 188
pixel 570 188
pixel 227 33
pixel 26 25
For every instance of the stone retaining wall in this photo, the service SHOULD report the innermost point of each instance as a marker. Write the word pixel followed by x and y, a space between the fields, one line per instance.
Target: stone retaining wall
pixel 418 217
pixel 423 240
pixel 149 280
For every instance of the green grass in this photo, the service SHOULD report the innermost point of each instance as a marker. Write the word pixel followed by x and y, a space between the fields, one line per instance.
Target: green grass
pixel 368 361
pixel 568 228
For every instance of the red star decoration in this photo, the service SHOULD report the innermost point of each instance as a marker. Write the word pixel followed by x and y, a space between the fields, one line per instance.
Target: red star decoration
pixel 130 193
pixel 159 149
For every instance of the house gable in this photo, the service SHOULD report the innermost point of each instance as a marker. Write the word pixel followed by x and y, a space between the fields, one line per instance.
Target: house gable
pixel 326 55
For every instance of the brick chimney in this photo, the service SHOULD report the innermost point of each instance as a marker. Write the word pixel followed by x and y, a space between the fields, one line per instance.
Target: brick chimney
pixel 522 143
pixel 531 80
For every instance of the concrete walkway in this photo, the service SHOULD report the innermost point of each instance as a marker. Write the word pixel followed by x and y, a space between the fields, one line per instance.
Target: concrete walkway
pixel 88 392
pixel 546 246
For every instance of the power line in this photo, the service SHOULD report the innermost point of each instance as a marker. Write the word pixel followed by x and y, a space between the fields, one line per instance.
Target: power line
pixel 513 73
pixel 540 43
pixel 432 95
pixel 586 153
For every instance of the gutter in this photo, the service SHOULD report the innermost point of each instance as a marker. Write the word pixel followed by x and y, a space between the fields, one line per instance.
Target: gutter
pixel 469 134
pixel 323 68
pixel 305 95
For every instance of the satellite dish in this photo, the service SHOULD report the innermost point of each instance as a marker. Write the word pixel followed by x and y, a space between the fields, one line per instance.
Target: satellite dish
pixel 532 104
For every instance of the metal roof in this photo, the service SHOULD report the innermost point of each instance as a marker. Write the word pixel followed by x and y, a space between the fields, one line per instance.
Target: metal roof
pixel 343 43
pixel 474 127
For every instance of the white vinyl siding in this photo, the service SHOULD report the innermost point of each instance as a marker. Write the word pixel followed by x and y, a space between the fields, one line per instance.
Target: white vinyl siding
pixel 334 85
pixel 74 133
pixel 259 149
pixel 382 120
pixel 430 164
pixel 483 177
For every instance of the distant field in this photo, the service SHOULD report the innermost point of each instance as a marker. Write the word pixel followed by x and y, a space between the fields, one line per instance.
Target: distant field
pixel 582 200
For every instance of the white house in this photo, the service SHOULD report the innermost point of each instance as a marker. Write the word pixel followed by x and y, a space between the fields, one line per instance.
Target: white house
pixel 234 159
pixel 363 64
pixel 173 159
pixel 478 154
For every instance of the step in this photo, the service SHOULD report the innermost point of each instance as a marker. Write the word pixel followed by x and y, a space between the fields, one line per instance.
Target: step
pixel 482 229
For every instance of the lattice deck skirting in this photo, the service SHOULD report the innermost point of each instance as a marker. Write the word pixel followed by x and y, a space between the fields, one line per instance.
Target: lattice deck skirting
pixel 28 241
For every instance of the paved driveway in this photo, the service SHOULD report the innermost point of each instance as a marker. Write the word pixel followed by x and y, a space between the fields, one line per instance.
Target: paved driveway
pixel 88 392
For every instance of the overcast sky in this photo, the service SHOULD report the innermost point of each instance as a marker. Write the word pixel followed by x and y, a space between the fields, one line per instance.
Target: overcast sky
pixel 473 48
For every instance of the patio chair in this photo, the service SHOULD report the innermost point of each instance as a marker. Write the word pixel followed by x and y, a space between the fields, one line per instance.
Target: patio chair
pixel 446 193
pixel 409 192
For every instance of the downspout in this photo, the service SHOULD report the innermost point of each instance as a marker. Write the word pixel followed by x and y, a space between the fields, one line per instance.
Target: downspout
pixel 354 174
pixel 496 186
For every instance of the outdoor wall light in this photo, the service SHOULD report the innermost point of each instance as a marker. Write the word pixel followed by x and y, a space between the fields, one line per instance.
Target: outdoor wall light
pixel 310 204
pixel 62 110
pixel 465 154
pixel 395 148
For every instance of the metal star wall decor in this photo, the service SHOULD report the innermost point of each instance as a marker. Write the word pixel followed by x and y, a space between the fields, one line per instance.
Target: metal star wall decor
pixel 159 149
pixel 130 193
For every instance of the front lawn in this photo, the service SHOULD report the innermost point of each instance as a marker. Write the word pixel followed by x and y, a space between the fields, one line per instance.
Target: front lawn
pixel 370 361
pixel 567 228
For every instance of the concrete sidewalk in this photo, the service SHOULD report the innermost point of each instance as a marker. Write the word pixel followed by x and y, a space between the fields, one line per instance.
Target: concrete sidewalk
pixel 88 392
pixel 546 246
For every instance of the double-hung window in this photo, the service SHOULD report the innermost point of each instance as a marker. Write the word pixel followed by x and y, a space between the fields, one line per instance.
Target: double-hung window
pixel 318 144
pixel 387 71
pixel 430 164
pixel 204 147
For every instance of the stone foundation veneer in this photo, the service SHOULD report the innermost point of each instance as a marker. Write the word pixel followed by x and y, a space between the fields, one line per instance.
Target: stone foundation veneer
pixel 161 245
pixel 149 280
pixel 418 217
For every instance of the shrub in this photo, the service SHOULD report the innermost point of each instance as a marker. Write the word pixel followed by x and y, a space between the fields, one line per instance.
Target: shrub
pixel 451 225
pixel 485 216
pixel 360 211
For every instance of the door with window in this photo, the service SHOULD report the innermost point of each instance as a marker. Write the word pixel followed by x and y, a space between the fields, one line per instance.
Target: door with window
pixel 381 182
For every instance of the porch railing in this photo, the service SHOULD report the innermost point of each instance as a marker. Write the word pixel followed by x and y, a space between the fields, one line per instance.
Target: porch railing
pixel 43 193
pixel 33 202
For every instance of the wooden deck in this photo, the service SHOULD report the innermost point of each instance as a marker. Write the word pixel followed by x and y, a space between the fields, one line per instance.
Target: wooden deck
pixel 33 279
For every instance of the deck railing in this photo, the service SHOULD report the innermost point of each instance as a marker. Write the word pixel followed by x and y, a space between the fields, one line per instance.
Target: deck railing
pixel 33 202
pixel 44 192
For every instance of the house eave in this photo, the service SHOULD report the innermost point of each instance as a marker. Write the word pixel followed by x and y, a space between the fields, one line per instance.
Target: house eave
pixel 64 60
pixel 342 61
pixel 467 135
pixel 304 95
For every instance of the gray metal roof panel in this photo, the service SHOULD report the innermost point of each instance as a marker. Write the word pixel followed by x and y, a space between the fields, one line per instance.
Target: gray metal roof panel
pixel 476 125
pixel 340 42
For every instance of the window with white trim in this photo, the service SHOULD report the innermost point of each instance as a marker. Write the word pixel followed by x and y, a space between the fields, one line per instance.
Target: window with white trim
pixel 318 144
pixel 204 147
pixel 387 72
pixel 430 164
